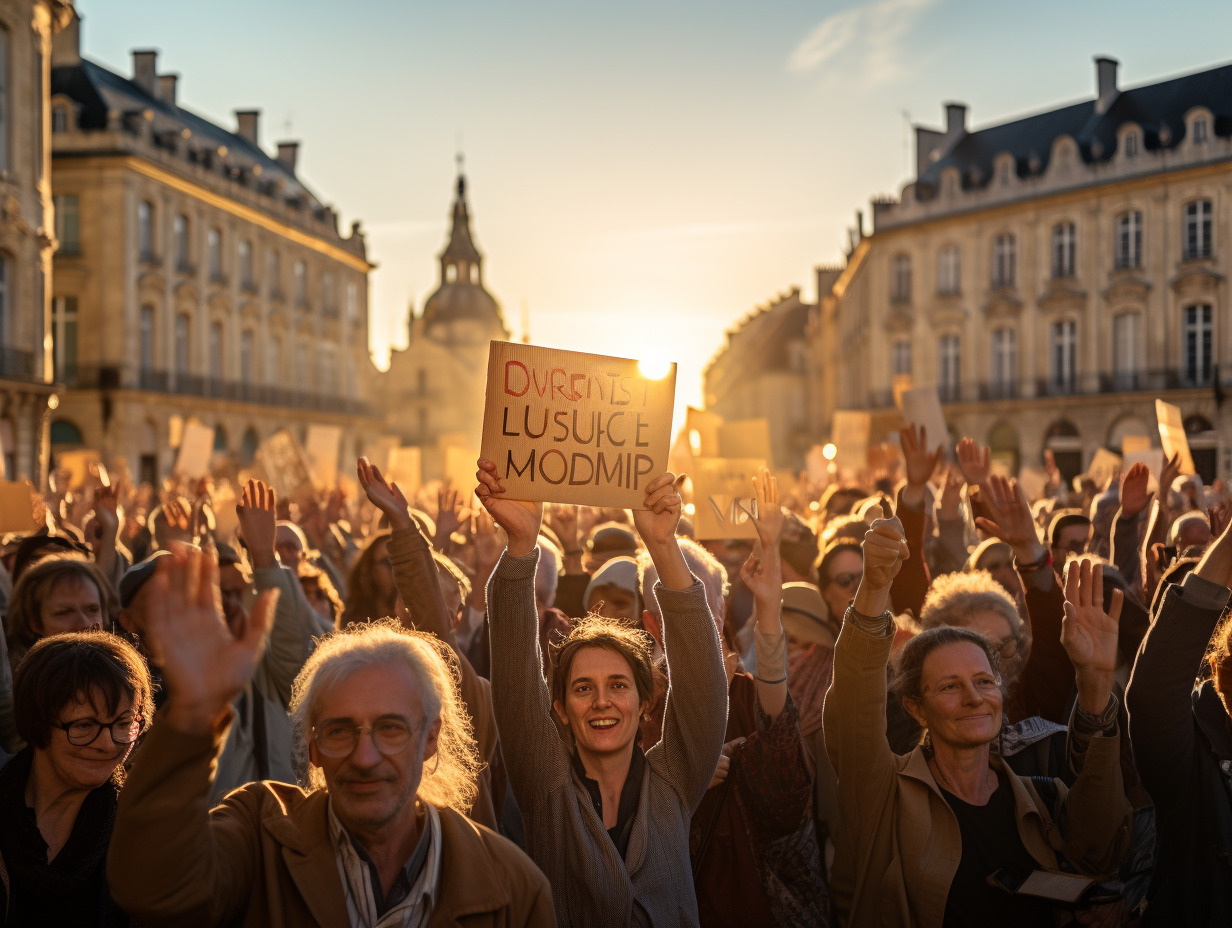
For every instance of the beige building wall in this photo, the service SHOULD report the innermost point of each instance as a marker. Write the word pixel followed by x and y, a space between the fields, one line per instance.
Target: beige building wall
pixel 1128 322
pixel 194 295
pixel 27 235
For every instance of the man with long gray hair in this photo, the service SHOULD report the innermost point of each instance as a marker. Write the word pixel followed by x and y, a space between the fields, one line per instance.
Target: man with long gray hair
pixel 378 840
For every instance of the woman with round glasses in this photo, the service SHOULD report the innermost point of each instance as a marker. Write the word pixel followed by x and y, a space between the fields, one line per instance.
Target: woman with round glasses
pixel 82 699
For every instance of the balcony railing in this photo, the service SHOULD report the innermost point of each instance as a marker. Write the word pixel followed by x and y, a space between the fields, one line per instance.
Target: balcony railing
pixel 157 381
pixel 17 363
pixel 1144 381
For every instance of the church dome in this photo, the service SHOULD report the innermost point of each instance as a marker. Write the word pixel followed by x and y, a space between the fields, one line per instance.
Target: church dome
pixel 461 309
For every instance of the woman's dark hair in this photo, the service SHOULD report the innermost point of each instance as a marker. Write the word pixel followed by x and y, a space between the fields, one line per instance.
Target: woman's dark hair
pixel 26 605
pixel 633 644
pixel 307 571
pixel 826 559
pixel 87 665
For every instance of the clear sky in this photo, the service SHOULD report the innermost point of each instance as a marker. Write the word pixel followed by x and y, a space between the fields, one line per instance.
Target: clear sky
pixel 641 175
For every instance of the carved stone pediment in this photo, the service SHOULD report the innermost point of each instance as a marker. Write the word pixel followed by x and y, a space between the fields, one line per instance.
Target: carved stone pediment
pixel 1127 286
pixel 1061 296
pixel 1197 278
pixel 899 319
pixel 1002 303
pixel 151 283
pixel 947 314
pixel 250 311
pixel 186 292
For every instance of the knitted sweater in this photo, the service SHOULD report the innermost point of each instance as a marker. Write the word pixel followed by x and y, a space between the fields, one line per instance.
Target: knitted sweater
pixel 591 884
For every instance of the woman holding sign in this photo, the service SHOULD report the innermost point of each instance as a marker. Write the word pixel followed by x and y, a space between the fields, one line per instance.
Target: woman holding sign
pixel 607 823
pixel 948 835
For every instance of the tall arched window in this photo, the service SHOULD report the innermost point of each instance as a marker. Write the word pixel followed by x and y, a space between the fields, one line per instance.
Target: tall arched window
pixel 145 230
pixel 1129 239
pixel 1197 231
pixel 1063 249
pixel 1004 260
pixel 1004 363
pixel 900 282
pixel 948 271
pixel 1197 338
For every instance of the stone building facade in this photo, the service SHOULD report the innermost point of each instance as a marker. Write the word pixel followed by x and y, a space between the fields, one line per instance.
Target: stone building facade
pixel 27 233
pixel 1051 276
pixel 196 276
pixel 434 389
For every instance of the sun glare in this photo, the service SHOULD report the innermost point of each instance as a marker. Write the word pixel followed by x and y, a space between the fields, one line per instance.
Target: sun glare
pixel 654 368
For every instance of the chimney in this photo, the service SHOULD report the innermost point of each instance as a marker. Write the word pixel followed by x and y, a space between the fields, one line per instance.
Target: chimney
pixel 955 120
pixel 248 120
pixel 287 154
pixel 66 43
pixel 166 88
pixel 145 66
pixel 1105 83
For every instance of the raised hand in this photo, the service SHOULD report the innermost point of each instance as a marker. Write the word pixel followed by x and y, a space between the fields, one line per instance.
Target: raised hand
pixel 974 461
pixel 520 519
pixel 885 549
pixel 1088 633
pixel 657 521
pixel 255 511
pixel 1167 476
pixel 106 513
pixel 448 515
pixel 563 520
pixel 1011 521
pixel 763 570
pixel 920 455
pixel 950 502
pixel 1134 494
pixel 1219 515
pixel 204 666
pixel 384 494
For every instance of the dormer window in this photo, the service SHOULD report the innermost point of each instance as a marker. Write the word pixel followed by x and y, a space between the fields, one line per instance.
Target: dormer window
pixel 451 273
pixel 59 119
pixel 1199 131
pixel 1131 144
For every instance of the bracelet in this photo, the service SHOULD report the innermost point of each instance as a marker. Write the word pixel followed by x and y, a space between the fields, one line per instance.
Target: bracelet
pixel 1045 561
pixel 886 616
pixel 769 682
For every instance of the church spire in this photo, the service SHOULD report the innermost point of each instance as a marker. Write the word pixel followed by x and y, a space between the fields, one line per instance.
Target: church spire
pixel 461 260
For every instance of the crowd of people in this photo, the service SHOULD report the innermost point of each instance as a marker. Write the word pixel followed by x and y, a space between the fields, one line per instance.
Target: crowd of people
pixel 913 697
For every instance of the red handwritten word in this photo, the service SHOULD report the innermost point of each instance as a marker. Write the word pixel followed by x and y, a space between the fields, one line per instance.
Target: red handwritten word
pixel 613 388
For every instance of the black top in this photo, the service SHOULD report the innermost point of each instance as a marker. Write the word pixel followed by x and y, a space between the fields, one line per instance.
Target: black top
pixel 990 841
pixel 630 794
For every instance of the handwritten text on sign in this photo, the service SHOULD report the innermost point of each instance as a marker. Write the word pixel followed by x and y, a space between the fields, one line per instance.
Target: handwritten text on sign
pixel 568 427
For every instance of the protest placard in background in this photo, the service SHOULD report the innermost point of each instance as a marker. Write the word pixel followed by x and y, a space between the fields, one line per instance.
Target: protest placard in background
pixel 282 460
pixel 921 406
pixel 722 492
pixel 196 449
pixel 1033 480
pixel 406 470
pixel 849 432
pixel 18 507
pixel 568 427
pixel 321 446
pixel 1132 443
pixel 1172 435
pixel 702 426
pixel 460 469
pixel 1153 458
pixel 1103 465
pixel 746 438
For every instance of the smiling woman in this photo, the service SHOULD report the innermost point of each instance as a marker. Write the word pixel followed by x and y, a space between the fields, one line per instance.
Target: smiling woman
pixel 951 813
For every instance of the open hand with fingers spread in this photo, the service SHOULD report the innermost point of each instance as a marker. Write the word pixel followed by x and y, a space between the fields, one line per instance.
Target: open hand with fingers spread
pixel 255 511
pixel 1089 634
pixel 384 494
pixel 921 455
pixel 974 461
pixel 204 665
pixel 1011 519
pixel 1134 493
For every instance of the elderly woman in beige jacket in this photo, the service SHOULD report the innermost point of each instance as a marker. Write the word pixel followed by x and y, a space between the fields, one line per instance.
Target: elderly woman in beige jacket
pixel 923 832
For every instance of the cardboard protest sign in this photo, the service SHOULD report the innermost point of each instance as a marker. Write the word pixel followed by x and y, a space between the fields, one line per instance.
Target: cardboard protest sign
pixel 922 407
pixel 900 385
pixel 226 520
pixel 1103 465
pixel 460 468
pixel 850 431
pixel 79 465
pixel 567 427
pixel 406 470
pixel 18 508
pixel 322 445
pixel 722 492
pixel 703 428
pixel 1153 458
pixel 1132 443
pixel 286 469
pixel 746 438
pixel 1172 435
pixel 816 465
pixel 196 449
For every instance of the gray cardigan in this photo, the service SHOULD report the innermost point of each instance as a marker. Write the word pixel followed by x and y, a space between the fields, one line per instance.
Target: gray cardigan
pixel 591 884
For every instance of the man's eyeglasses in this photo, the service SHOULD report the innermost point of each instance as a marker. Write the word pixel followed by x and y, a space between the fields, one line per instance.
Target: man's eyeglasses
pixel 1009 646
pixel 340 739
pixel 846 581
pixel 83 732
